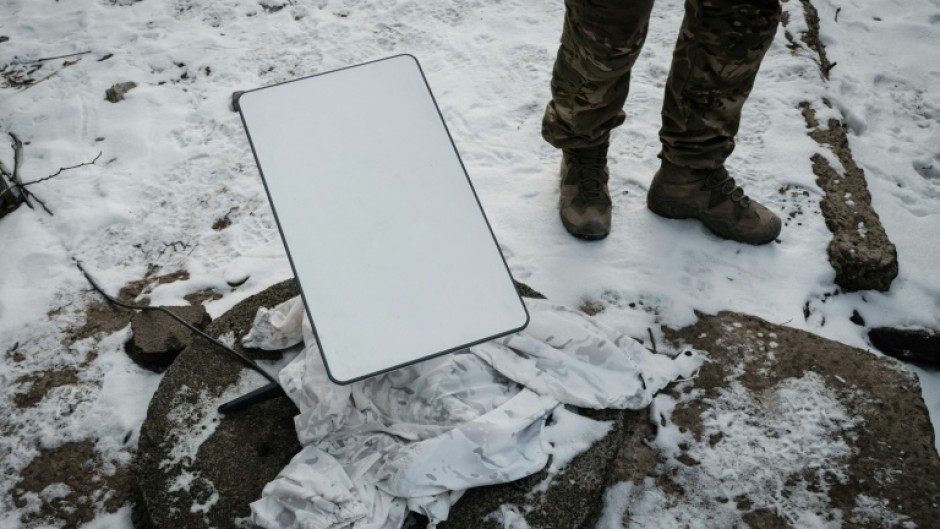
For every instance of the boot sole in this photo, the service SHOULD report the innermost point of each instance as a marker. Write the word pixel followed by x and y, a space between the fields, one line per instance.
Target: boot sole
pixel 677 214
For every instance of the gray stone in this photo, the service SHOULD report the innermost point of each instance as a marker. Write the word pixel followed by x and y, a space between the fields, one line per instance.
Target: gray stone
pixel 574 499
pixel 235 278
pixel 891 458
pixel 526 291
pixel 158 338
pixel 117 91
pixel 919 345
pixel 246 450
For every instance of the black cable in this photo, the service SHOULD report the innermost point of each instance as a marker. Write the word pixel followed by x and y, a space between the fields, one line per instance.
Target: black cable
pixel 244 359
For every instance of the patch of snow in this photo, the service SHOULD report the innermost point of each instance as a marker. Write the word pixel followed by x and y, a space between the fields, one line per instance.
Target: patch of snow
pixel 56 490
pixel 570 434
pixel 182 482
pixel 119 518
pixel 204 507
pixel 617 500
pixel 508 516
pixel 870 510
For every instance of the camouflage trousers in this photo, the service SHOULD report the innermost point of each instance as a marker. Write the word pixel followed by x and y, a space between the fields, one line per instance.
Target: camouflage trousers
pixel 716 59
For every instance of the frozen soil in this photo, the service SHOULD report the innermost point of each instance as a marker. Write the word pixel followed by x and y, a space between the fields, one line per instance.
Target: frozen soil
pixel 73 485
pixel 70 485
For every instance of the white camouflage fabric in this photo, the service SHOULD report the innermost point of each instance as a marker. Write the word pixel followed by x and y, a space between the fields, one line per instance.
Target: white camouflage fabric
pixel 416 438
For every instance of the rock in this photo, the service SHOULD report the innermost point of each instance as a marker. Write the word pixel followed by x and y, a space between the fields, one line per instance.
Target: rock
pixel 574 499
pixel 857 319
pixel 526 291
pixel 117 91
pixel 860 252
pixel 919 345
pixel 235 277
pixel 787 422
pixel 862 262
pixel 158 338
pixel 223 471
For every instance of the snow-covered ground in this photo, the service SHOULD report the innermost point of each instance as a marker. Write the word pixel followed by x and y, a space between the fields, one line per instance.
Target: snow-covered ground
pixel 175 160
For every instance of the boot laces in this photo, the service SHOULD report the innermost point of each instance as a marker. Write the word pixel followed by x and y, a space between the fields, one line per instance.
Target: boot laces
pixel 589 163
pixel 590 185
pixel 720 182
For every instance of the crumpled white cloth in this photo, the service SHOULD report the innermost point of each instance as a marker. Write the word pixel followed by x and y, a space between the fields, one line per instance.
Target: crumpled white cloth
pixel 417 437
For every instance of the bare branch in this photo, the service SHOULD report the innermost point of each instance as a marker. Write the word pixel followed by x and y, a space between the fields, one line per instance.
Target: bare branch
pixel 44 59
pixel 652 340
pixel 34 83
pixel 62 170
pixel 177 246
pixel 17 158
pixel 86 52
pixel 27 193
pixel 15 188
pixel 18 189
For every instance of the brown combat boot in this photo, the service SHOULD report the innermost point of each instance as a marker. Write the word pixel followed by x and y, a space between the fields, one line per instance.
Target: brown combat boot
pixel 585 203
pixel 711 196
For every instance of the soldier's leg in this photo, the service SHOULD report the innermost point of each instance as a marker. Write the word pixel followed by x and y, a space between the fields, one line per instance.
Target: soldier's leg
pixel 600 42
pixel 716 60
pixel 717 56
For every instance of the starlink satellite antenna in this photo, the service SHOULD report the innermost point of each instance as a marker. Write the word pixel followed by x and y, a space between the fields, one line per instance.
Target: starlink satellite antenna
pixel 394 257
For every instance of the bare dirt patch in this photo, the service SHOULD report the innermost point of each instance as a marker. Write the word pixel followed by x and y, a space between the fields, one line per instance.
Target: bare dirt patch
pixel 860 252
pixel 103 318
pixel 811 38
pixel 70 486
pixel 41 384
pixel 201 296
pixel 592 307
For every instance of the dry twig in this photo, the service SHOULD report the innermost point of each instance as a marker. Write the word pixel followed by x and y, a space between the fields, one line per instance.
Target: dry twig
pixel 652 340
pixel 62 170
pixel 20 187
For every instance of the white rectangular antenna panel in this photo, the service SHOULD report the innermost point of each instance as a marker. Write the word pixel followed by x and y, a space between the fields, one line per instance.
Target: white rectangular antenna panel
pixel 394 257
